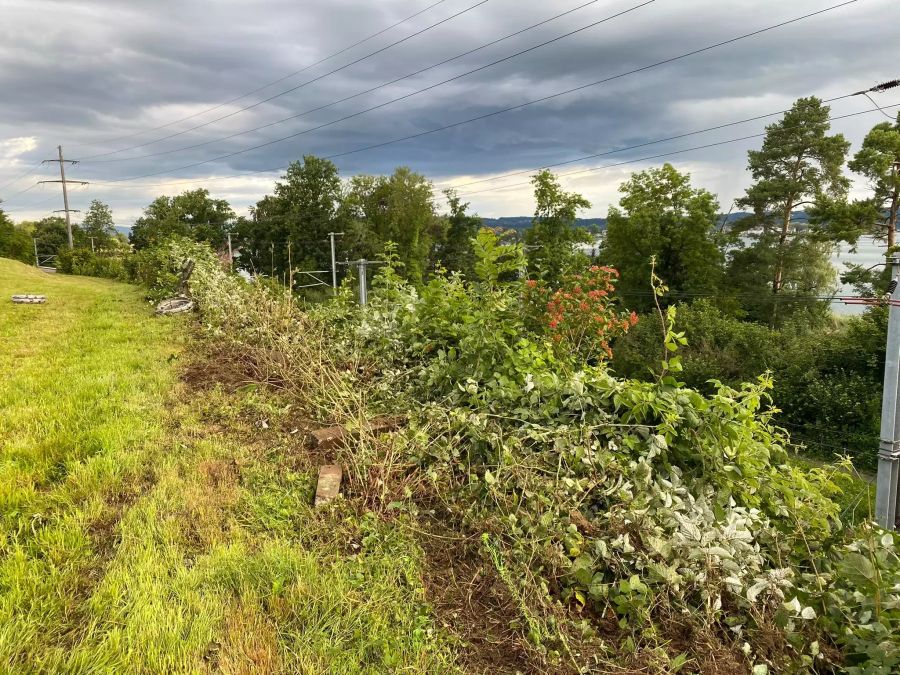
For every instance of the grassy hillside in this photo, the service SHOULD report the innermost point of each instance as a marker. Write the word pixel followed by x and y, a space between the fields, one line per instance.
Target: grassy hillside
pixel 153 525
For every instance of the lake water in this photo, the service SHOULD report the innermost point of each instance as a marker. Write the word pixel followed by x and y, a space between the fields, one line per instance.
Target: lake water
pixel 868 253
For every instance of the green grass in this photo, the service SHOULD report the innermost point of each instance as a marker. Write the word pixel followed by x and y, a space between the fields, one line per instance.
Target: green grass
pixel 146 530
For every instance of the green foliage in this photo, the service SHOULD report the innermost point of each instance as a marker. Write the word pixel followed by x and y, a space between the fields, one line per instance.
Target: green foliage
pixel 646 501
pixel 192 214
pixel 854 593
pixel 829 386
pixel 495 261
pixel 158 269
pixel 15 242
pixel 454 251
pixel 827 378
pixel 551 239
pixel 719 347
pixel 83 261
pixel 98 224
pixel 50 235
pixel 877 161
pixel 398 208
pixel 300 214
pixel 662 215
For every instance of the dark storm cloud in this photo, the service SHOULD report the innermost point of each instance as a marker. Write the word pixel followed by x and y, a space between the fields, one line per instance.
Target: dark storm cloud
pixel 87 72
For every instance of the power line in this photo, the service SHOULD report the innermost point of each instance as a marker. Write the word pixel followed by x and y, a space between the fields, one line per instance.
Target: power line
pixel 529 171
pixel 295 88
pixel 405 96
pixel 360 93
pixel 664 154
pixel 527 103
pixel 534 101
pixel 273 82
pixel 636 146
pixel 16 180
pixel 20 192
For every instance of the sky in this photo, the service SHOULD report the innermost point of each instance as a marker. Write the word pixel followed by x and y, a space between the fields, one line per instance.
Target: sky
pixel 109 79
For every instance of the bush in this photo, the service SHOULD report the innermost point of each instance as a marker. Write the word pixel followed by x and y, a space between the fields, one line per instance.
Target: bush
pixel 828 384
pixel 720 347
pixel 827 378
pixel 82 261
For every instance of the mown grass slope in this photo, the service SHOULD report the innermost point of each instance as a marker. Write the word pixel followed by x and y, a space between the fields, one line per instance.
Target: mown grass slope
pixel 148 527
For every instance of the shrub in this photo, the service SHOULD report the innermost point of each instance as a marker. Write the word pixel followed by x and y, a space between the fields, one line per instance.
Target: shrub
pixel 720 347
pixel 82 261
pixel 577 315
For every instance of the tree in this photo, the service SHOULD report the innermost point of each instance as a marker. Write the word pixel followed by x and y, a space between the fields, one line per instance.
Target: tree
pixel 294 221
pixel 456 252
pixel 398 208
pixel 50 235
pixel 798 165
pixel 552 238
pixel 15 242
pixel 193 214
pixel 662 215
pixel 98 224
pixel 879 162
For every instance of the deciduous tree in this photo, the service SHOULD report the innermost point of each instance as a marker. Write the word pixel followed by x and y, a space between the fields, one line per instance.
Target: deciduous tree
pixel 193 214
pixel 455 251
pixel 661 214
pixel 551 241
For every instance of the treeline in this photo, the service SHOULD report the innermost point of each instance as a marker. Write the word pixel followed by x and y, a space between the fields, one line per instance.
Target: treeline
pixel 98 248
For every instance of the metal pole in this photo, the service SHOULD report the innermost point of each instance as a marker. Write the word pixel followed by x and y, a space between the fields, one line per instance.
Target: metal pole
pixel 889 448
pixel 92 245
pixel 332 235
pixel 62 175
pixel 290 268
pixel 37 261
pixel 230 252
pixel 363 291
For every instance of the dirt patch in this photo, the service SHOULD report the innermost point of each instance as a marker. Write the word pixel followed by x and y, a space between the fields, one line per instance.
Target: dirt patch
pixel 220 367
pixel 471 601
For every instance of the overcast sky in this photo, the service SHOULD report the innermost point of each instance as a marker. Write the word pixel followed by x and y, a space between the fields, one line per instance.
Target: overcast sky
pixel 98 76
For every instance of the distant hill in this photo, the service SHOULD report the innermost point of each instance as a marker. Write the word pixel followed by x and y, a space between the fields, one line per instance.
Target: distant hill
pixel 524 222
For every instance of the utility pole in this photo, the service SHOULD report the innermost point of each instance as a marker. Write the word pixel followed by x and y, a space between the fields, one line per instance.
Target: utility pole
pixel 290 268
pixel 361 266
pixel 363 290
pixel 888 481
pixel 62 176
pixel 37 260
pixel 230 253
pixel 332 235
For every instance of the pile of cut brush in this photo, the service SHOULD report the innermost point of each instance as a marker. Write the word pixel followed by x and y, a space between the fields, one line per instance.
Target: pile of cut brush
pixel 636 523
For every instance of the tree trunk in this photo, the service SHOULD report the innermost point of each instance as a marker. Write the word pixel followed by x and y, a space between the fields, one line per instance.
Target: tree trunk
pixel 778 277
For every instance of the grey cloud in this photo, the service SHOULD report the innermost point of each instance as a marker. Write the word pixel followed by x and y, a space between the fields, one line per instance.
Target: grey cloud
pixel 93 70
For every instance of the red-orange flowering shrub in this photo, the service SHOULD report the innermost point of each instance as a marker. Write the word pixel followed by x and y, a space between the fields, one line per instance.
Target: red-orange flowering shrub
pixel 577 316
